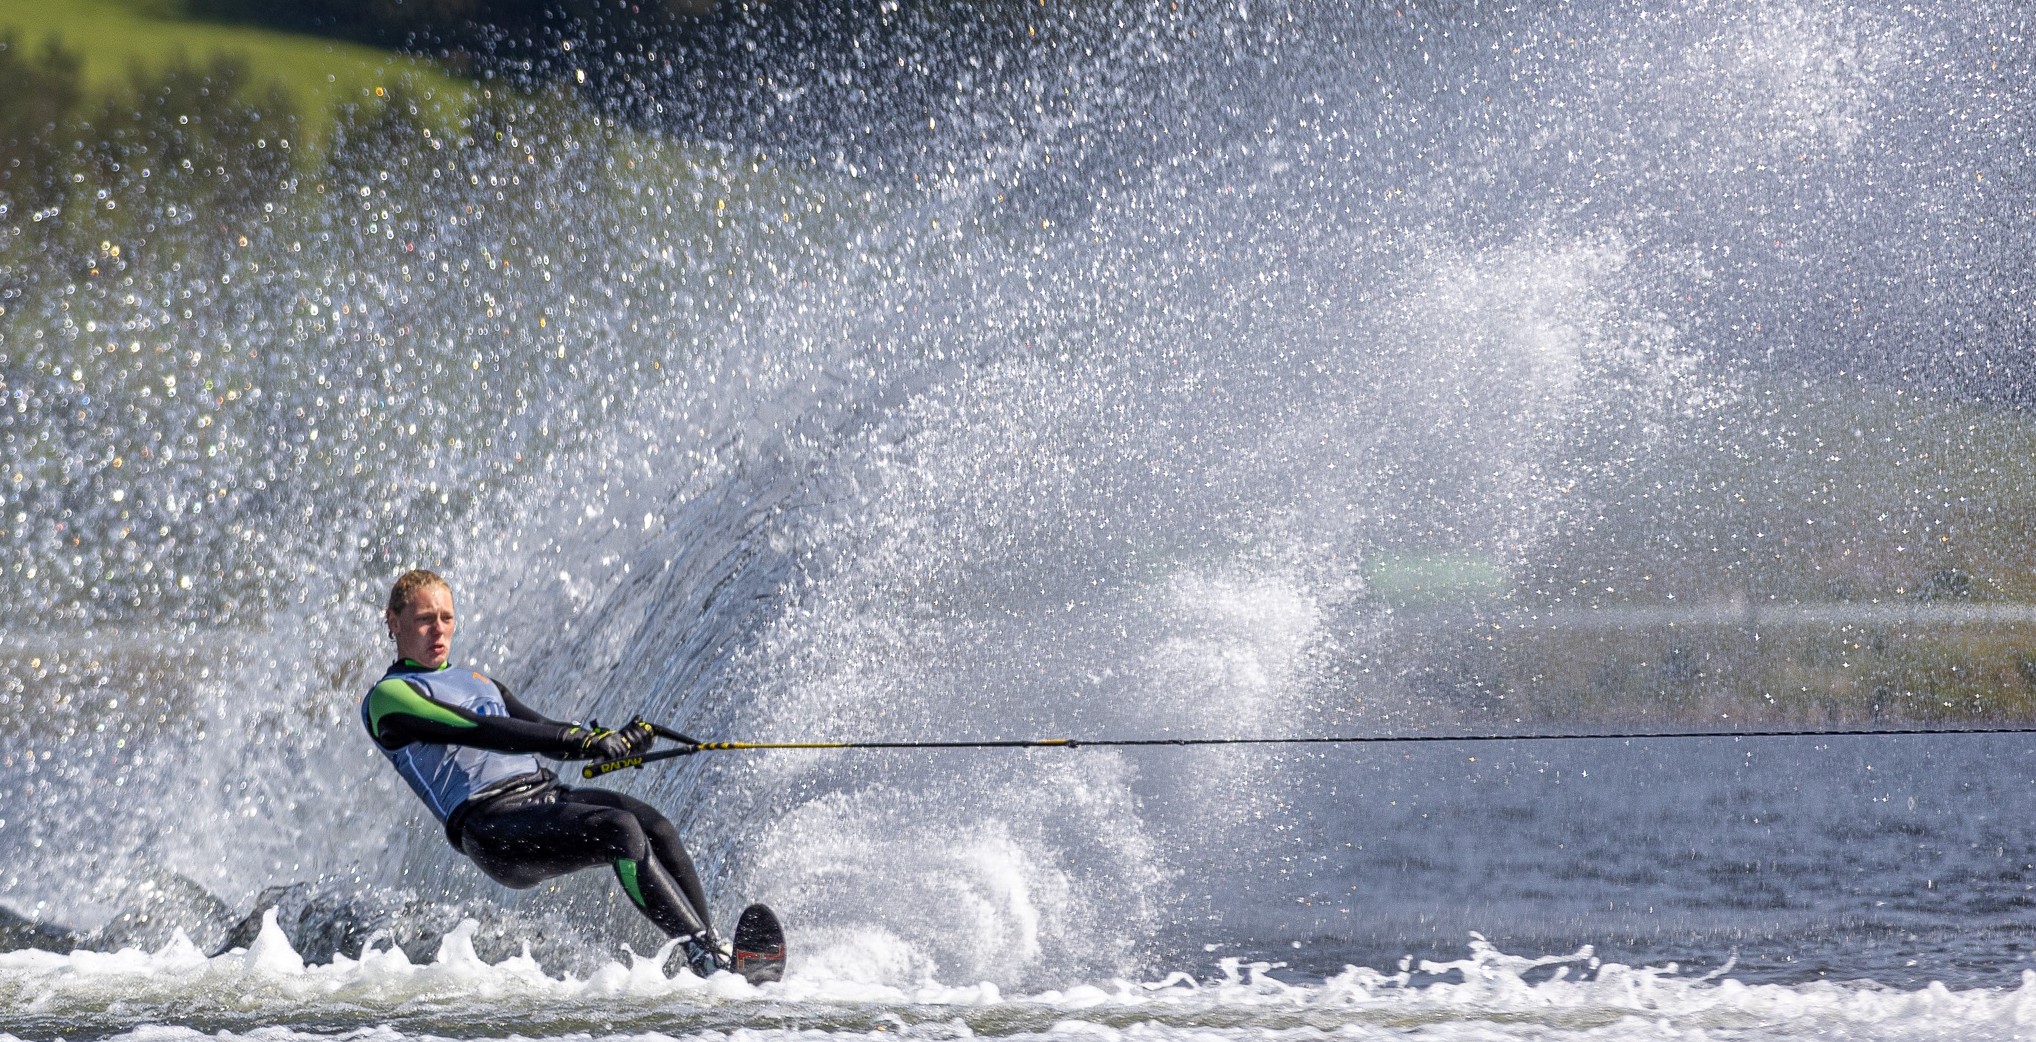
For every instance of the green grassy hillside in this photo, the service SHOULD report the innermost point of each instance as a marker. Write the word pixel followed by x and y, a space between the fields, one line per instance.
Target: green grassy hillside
pixel 119 42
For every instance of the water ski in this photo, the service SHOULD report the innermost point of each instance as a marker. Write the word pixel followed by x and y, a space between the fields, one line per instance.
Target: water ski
pixel 759 945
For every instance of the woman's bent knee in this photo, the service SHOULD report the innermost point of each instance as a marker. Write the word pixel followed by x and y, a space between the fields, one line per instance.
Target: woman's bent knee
pixel 622 833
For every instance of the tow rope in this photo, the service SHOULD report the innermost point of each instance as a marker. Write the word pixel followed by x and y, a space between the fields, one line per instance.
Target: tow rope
pixel 688 746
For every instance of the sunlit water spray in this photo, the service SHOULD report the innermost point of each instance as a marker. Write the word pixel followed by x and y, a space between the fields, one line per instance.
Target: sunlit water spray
pixel 1116 421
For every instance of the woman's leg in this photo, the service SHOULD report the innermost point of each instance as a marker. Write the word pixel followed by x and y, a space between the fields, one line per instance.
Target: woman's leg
pixel 667 877
pixel 523 845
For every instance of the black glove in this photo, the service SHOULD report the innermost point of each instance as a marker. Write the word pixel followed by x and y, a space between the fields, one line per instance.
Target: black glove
pixel 640 735
pixel 594 742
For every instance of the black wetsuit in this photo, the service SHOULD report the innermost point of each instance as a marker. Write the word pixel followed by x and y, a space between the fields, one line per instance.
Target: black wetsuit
pixel 524 829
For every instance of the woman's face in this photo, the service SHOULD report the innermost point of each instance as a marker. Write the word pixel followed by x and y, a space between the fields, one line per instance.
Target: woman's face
pixel 423 629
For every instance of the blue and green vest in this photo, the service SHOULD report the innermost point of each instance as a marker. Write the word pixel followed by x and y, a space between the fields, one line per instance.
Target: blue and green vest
pixel 443 776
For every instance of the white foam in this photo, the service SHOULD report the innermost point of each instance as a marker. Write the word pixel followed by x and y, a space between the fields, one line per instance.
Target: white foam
pixel 1486 995
pixel 268 977
pixel 908 885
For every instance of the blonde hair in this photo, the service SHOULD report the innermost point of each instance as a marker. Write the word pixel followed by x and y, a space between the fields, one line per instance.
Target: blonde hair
pixel 410 582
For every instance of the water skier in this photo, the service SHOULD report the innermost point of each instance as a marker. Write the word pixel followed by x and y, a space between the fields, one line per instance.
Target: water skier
pixel 469 748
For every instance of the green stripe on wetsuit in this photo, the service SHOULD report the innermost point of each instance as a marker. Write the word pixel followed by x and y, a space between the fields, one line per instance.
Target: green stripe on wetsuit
pixel 625 870
pixel 392 695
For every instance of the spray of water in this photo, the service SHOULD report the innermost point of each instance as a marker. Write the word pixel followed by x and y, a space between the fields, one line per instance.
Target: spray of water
pixel 1108 405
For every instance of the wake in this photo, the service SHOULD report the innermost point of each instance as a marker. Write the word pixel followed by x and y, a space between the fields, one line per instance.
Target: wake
pixel 458 993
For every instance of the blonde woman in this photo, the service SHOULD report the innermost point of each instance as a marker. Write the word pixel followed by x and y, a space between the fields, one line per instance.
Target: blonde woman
pixel 469 749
